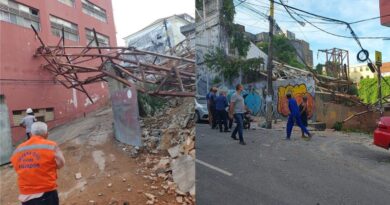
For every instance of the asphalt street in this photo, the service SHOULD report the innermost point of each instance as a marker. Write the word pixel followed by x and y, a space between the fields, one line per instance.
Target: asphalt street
pixel 333 168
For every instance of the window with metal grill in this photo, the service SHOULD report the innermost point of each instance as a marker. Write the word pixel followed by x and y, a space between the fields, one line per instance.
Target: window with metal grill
pixel 71 31
pixel 102 39
pixel 70 3
pixel 42 114
pixel 94 11
pixel 15 13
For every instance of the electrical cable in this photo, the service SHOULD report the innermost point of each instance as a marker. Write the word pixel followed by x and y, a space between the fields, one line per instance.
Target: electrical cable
pixel 369 19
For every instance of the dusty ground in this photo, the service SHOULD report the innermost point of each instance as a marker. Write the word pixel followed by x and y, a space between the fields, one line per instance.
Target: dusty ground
pixel 109 175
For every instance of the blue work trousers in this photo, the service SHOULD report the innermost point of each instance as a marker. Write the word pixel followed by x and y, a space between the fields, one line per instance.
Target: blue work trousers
pixel 290 124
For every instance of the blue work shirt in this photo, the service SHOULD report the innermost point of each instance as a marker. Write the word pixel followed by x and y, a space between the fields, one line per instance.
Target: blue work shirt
pixel 293 107
pixel 211 100
pixel 221 102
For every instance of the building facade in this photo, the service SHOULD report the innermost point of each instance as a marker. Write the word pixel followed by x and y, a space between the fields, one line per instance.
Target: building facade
pixel 361 71
pixel 24 82
pixel 384 7
pixel 161 34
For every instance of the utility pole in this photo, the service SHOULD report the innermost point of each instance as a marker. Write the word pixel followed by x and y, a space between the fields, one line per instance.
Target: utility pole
pixel 270 91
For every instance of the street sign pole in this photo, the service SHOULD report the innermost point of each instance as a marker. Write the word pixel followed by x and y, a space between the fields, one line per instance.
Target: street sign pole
pixel 378 62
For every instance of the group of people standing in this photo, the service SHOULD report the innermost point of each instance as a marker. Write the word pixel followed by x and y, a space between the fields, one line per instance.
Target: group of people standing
pixel 222 113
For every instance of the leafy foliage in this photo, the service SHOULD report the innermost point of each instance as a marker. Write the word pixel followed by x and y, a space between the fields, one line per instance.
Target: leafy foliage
pixel 368 89
pixel 318 68
pixel 283 51
pixel 237 37
pixel 230 67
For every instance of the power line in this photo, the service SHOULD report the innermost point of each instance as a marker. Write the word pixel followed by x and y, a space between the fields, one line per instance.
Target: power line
pixel 369 19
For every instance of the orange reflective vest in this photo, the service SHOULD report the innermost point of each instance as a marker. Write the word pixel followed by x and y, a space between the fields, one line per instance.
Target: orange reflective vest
pixel 34 162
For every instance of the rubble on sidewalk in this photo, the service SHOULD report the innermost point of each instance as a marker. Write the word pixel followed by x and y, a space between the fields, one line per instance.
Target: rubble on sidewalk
pixel 167 156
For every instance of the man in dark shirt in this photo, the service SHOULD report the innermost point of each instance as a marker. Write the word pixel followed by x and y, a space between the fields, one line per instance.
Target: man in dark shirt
pixel 220 106
pixel 303 110
pixel 213 111
pixel 210 118
pixel 294 116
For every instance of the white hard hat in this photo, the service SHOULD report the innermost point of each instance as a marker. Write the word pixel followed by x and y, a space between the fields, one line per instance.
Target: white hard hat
pixel 29 110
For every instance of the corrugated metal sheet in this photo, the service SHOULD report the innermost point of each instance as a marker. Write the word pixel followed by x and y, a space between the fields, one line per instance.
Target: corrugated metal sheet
pixel 5 135
pixel 125 109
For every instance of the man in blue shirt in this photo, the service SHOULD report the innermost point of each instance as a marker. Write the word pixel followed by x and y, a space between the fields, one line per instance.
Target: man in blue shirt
pixel 211 102
pixel 210 118
pixel 220 106
pixel 295 115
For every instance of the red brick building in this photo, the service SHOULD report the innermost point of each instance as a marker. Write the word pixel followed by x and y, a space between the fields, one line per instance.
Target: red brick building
pixel 384 6
pixel 23 82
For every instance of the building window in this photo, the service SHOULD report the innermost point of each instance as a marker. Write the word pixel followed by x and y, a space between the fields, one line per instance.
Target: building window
pixel 68 2
pixel 19 14
pixel 367 76
pixel 94 11
pixel 361 77
pixel 71 31
pixel 367 69
pixel 43 115
pixel 361 69
pixel 102 39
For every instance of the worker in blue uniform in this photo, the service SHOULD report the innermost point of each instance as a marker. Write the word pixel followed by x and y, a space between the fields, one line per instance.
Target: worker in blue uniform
pixel 294 117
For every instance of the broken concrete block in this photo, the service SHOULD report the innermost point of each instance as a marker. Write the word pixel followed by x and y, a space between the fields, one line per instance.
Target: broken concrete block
pixel 78 175
pixel 179 199
pixel 163 164
pixel 183 172
pixel 174 151
pixel 150 202
pixel 150 196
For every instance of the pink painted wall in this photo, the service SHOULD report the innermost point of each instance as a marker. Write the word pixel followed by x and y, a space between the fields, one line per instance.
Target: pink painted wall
pixel 17 64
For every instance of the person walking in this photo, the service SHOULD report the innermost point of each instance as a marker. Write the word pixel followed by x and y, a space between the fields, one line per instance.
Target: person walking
pixel 212 98
pixel 36 162
pixel 236 111
pixel 303 110
pixel 294 117
pixel 210 116
pixel 220 106
pixel 27 121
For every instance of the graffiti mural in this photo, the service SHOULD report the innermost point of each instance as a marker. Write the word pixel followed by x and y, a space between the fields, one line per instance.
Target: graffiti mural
pixel 297 91
pixel 254 96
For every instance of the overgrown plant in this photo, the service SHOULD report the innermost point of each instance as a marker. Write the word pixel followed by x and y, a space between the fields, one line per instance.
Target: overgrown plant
pixel 236 35
pixel 229 67
pixel 368 89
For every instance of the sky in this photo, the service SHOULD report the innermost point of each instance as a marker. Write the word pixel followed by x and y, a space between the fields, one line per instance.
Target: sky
pixel 131 16
pixel 338 9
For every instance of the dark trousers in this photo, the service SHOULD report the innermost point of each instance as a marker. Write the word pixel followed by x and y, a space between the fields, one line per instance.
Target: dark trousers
pixel 214 117
pixel 222 119
pixel 290 125
pixel 28 135
pixel 239 118
pixel 48 198
pixel 230 123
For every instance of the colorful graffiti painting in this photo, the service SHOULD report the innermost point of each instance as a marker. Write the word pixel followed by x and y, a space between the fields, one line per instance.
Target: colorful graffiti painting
pixel 297 91
pixel 253 100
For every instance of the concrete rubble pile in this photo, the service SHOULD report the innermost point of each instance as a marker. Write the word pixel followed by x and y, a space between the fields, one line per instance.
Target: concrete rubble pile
pixel 169 152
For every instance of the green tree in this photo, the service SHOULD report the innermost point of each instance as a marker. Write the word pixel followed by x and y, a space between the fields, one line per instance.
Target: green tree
pixel 283 51
pixel 319 67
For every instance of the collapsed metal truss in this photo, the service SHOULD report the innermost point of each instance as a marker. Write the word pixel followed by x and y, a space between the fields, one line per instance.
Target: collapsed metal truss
pixel 77 66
